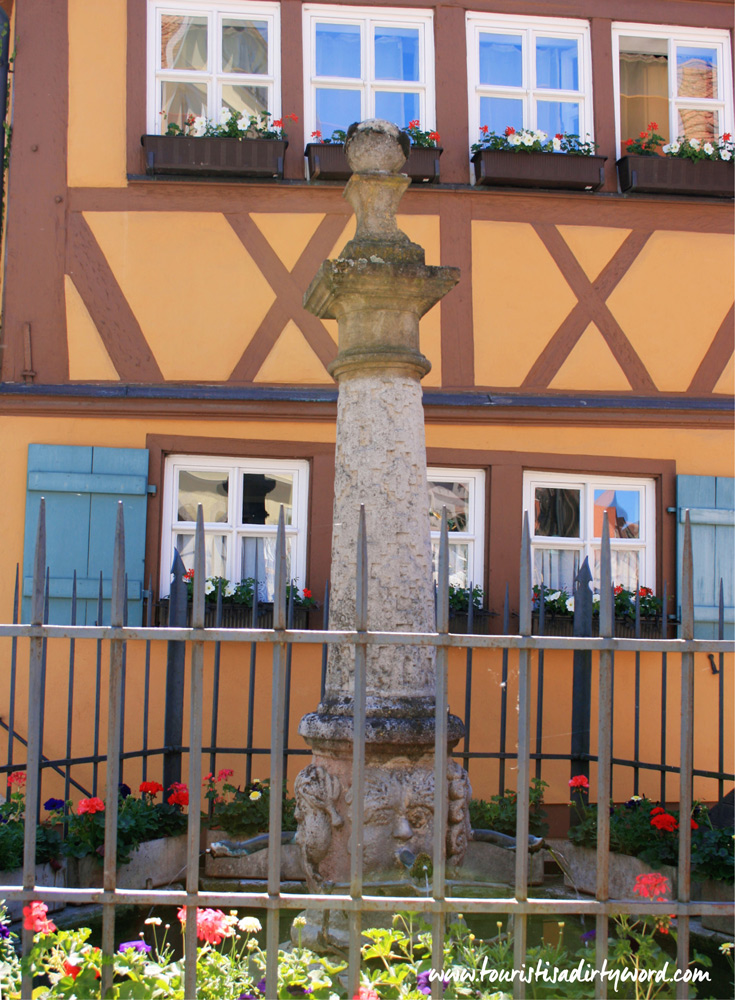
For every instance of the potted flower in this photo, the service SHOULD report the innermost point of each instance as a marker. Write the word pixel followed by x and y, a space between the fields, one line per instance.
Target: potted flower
pixel 686 166
pixel 237 604
pixel 559 612
pixel 529 158
pixel 236 146
pixel 459 611
pixel 327 160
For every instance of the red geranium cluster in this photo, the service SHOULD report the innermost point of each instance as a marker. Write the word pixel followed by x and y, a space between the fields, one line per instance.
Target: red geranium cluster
pixel 653 885
pixel 150 787
pixel 179 794
pixel 212 925
pixel 92 805
pixel 665 821
pixel 35 919
pixel 580 781
pixel 17 778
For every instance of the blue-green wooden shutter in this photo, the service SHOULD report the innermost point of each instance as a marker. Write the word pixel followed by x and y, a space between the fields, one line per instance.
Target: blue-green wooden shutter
pixel 711 504
pixel 82 486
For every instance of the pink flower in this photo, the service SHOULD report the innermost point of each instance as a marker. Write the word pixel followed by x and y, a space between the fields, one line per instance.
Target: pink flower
pixel 653 885
pixel 366 993
pixel 226 772
pixel 212 925
pixel 91 806
pixel 35 919
pixel 17 778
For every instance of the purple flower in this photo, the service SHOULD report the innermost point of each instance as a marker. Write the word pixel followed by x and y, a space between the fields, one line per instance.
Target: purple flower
pixel 423 983
pixel 259 992
pixel 54 805
pixel 135 945
pixel 589 936
pixel 123 790
pixel 4 931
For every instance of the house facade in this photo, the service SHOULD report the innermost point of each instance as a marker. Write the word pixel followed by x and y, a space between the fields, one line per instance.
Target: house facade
pixel 154 344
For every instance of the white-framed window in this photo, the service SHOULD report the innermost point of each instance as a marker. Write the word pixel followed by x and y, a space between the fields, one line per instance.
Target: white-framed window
pixel 679 78
pixel 367 62
pixel 205 55
pixel 566 514
pixel 533 73
pixel 462 492
pixel 241 500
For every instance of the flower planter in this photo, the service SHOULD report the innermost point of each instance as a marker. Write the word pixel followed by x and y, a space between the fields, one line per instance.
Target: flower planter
pixel 228 863
pixel 674 175
pixel 214 156
pixel 46 876
pixel 328 162
pixel 458 624
pixel 624 628
pixel 155 863
pixel 581 870
pixel 497 167
pixel 233 616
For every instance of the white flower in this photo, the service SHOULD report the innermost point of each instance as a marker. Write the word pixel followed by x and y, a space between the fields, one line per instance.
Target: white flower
pixel 541 136
pixel 153 920
pixel 557 144
pixel 243 124
pixel 514 139
pixel 527 139
pixel 209 587
pixel 251 925
pixel 595 598
pixel 708 148
pixel 199 126
pixel 570 604
pixel 224 116
pixel 229 589
pixel 725 154
pixel 672 148
pixel 554 597
pixel 694 143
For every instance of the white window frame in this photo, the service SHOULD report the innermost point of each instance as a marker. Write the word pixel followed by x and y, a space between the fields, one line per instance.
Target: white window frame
pixel 474 537
pixel 707 38
pixel 528 29
pixel 214 11
pixel 296 531
pixel 368 18
pixel 586 544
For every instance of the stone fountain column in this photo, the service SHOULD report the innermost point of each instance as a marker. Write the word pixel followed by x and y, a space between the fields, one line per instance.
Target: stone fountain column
pixel 378 289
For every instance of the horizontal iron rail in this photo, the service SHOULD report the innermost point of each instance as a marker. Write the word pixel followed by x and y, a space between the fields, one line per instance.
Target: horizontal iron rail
pixel 313 637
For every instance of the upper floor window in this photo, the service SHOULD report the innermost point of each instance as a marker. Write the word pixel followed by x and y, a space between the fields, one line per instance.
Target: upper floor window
pixel 679 78
pixel 241 500
pixel 566 513
pixel 367 63
pixel 529 73
pixel 462 492
pixel 204 55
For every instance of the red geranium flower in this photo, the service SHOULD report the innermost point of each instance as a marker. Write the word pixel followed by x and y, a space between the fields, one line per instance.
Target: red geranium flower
pixel 652 126
pixel 91 806
pixel 35 919
pixel 179 794
pixel 366 993
pixel 580 781
pixel 307 592
pixel 656 810
pixel 653 885
pixel 434 136
pixel 277 123
pixel 151 788
pixel 695 826
pixel 212 925
pixel 664 822
pixel 414 124
pixel 17 778
pixel 726 136
pixel 72 970
pixel 226 772
pixel 484 129
pixel 510 130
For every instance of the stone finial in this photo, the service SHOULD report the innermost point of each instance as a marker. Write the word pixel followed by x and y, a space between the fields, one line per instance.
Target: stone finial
pixel 376 146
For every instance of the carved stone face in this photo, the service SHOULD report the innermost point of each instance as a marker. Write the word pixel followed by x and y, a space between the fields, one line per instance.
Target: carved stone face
pixel 399 814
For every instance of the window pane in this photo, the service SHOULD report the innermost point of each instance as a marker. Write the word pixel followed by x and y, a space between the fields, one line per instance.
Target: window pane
pixel 455 497
pixel 500 112
pixel 338 51
pixel 557 116
pixel 263 496
pixel 697 124
pixel 555 568
pixel 623 508
pixel 336 109
pixel 626 571
pixel 397 54
pixel 501 59
pixel 183 42
pixel 644 86
pixel 556 512
pixel 398 108
pixel 557 63
pixel 696 72
pixel 210 489
pixel 258 561
pixel 458 563
pixel 244 46
pixel 248 100
pixel 215 550
pixel 179 100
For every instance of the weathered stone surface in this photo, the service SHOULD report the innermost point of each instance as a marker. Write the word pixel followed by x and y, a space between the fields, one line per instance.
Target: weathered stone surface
pixel 255 865
pixel 624 869
pixel 490 863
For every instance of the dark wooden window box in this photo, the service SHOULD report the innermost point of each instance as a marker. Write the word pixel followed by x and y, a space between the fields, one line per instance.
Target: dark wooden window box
pixel 215 156
pixel 675 175
pixel 498 168
pixel 624 628
pixel 480 623
pixel 233 616
pixel 329 163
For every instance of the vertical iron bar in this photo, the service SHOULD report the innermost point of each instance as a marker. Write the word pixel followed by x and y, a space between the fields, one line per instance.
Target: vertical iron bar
pixel 721 701
pixel 686 752
pixel 33 751
pixel 114 711
pixel 251 681
pixel 287 703
pixel 504 694
pixel 147 678
pixel 325 647
pixel 520 924
pixel 277 738
pixel 13 668
pixel 358 756
pixel 173 719
pixel 540 682
pixel 34 806
pixel 637 718
pixel 468 684
pixel 581 686
pixel 441 735
pixel 664 699
pixel 604 753
pixel 215 691
pixel 97 696
pixel 196 698
pixel 123 684
pixel 70 694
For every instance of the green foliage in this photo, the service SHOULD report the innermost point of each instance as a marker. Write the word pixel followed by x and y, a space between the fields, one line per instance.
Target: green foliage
pixel 138 820
pixel 459 599
pixel 533 141
pixel 232 124
pixel 337 138
pixel 12 834
pixel 633 831
pixel 246 812
pixel 420 137
pixel 500 812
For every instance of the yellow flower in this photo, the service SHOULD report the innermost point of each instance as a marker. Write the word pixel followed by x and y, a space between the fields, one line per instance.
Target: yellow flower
pixel 254 796
pixel 727 947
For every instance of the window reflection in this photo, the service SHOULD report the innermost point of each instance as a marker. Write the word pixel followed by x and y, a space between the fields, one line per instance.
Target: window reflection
pixel 556 512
